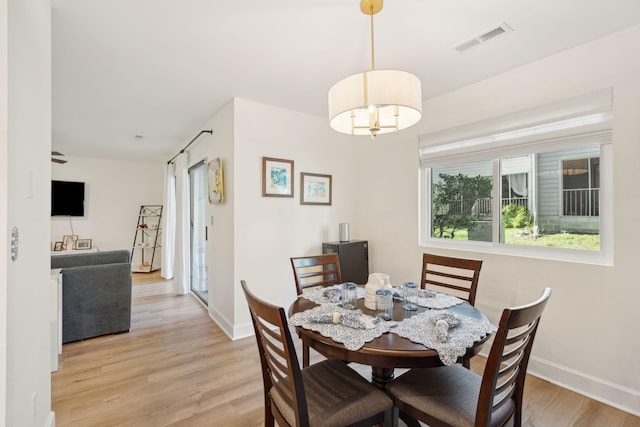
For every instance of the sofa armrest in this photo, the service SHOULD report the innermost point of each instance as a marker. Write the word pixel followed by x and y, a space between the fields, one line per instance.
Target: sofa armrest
pixel 96 300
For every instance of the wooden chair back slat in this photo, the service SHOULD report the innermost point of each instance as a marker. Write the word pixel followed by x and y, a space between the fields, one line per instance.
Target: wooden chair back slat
pixel 443 273
pixel 316 270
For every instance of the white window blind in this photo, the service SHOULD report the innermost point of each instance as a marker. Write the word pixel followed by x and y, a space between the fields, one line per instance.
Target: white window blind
pixel 567 124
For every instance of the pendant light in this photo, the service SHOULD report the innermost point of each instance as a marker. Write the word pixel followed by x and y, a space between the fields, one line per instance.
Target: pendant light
pixel 377 101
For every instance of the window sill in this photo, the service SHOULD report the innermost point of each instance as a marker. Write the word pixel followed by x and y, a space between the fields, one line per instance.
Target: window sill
pixel 553 254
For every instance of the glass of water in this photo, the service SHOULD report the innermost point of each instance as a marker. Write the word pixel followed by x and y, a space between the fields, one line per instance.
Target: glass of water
pixel 410 296
pixel 384 304
pixel 349 295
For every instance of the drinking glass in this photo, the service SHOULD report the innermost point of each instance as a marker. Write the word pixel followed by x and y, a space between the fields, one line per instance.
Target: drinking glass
pixel 384 304
pixel 410 296
pixel 349 295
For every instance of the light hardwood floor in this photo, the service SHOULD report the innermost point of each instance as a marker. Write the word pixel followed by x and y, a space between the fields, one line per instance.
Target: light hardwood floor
pixel 177 368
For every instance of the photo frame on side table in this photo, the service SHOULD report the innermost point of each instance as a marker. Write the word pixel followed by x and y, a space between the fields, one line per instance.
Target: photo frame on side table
pixel 83 244
pixel 315 189
pixel 277 177
pixel 69 242
pixel 57 246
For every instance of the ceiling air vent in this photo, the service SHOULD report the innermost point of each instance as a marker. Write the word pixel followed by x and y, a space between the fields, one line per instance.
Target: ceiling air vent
pixel 485 36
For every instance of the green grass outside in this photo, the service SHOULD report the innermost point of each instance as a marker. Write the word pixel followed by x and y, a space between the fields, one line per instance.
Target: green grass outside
pixel 513 236
pixel 587 242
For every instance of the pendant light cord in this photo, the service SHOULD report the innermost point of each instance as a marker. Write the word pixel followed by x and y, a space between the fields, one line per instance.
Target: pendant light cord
pixel 373 63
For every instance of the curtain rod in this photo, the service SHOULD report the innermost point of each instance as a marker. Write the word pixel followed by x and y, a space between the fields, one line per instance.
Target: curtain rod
pixel 210 131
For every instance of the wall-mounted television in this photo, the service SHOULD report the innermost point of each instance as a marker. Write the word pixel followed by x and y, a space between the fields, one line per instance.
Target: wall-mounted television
pixel 67 198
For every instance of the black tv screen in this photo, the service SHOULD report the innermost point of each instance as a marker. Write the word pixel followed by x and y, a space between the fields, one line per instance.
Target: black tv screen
pixel 67 198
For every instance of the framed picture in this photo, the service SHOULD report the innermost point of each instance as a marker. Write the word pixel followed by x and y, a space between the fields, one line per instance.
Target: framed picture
pixel 277 177
pixel 315 189
pixel 216 181
pixel 69 242
pixel 83 244
pixel 57 246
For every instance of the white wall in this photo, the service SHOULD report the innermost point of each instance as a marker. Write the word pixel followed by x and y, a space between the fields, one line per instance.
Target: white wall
pixel 253 237
pixel 25 126
pixel 270 230
pixel 114 191
pixel 587 339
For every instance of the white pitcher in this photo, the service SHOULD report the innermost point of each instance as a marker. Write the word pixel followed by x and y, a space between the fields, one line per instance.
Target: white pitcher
pixel 376 281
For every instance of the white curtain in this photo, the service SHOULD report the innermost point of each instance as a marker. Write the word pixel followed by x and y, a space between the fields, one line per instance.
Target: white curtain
pixel 169 222
pixel 519 184
pixel 182 277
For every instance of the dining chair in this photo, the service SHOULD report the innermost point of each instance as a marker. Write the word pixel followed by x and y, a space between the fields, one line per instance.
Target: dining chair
pixel 457 276
pixel 316 270
pixel 455 396
pixel 313 271
pixel 326 394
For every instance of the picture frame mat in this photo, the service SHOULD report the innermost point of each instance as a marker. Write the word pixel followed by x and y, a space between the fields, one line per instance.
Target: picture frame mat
pixel 315 189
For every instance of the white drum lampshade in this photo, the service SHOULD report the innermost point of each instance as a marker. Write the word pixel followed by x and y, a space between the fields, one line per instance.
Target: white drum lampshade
pixel 375 102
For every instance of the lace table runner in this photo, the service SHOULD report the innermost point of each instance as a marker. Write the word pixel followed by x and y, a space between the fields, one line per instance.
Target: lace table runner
pixel 450 342
pixel 353 338
pixel 329 294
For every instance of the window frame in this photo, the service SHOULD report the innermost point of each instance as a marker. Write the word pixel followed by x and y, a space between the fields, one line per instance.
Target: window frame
pixel 463 152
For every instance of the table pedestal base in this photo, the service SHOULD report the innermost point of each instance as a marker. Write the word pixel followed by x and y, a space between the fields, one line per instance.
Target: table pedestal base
pixel 381 376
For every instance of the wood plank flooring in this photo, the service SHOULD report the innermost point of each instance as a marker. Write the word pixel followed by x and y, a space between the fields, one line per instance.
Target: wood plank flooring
pixel 177 368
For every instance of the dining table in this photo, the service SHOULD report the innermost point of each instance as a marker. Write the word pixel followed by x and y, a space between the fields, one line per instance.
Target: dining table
pixel 389 346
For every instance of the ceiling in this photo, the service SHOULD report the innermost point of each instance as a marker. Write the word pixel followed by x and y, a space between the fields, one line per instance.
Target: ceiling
pixel 135 79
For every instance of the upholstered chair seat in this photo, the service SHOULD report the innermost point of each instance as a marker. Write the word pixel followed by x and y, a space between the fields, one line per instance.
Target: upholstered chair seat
pixel 448 393
pixel 336 396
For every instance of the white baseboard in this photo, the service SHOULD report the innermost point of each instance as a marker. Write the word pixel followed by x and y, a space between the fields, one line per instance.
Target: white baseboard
pixel 51 420
pixel 621 397
pixel 234 332
pixel 222 322
pixel 243 331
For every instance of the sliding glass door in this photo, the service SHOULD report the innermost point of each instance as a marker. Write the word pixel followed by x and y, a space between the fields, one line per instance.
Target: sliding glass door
pixel 198 217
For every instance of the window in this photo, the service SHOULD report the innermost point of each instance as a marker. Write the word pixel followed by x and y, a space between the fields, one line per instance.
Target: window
pixel 515 189
pixel 536 190
pixel 581 187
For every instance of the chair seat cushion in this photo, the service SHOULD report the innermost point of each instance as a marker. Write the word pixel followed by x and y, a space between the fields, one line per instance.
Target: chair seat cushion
pixel 336 396
pixel 447 393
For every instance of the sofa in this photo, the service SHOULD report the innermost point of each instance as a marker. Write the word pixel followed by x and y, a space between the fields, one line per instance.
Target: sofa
pixel 96 293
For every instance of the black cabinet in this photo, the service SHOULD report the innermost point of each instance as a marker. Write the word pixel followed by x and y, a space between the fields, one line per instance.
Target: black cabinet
pixel 354 259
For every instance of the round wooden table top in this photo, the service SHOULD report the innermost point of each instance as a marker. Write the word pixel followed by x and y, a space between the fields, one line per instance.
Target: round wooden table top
pixel 388 350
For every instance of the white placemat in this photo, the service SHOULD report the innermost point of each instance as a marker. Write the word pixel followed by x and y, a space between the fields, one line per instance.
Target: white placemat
pixel 353 338
pixel 421 328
